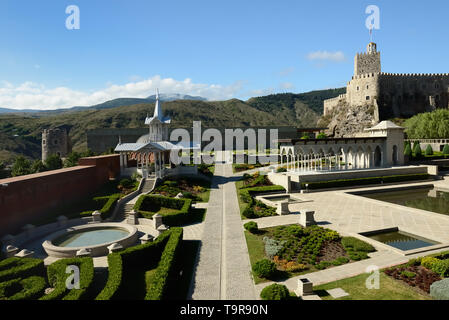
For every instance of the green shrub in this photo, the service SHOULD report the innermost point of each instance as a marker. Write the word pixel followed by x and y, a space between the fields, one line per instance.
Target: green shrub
pixel 354 244
pixel 272 247
pixel 30 288
pixel 429 150
pixel 251 227
pixel 428 262
pixel 295 230
pixel 126 183
pixel 439 290
pixel 247 195
pixel 274 292
pixel 363 181
pixel 441 267
pixel 417 151
pixel 264 268
pixel 57 276
pixel 408 274
pixel 408 150
pixel 281 169
pixel 148 205
pixel 446 150
pixel 414 262
pixel 14 268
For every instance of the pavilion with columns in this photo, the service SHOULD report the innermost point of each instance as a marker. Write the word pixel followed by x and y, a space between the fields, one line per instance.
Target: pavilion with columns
pixel 378 147
pixel 151 152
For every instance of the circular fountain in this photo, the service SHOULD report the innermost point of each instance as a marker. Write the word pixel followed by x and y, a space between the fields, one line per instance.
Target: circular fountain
pixel 94 237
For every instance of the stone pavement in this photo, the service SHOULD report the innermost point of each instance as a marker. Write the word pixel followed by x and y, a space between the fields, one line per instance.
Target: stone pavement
pixel 223 271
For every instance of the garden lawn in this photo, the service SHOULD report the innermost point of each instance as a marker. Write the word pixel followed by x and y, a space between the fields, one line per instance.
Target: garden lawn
pixel 389 289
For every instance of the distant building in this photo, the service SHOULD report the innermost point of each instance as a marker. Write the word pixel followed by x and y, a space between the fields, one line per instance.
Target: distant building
pixel 391 94
pixel 55 141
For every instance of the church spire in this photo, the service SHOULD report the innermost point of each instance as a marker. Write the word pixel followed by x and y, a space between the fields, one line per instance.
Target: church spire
pixel 157 108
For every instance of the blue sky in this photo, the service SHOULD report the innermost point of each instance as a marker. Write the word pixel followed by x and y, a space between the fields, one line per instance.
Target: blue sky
pixel 217 49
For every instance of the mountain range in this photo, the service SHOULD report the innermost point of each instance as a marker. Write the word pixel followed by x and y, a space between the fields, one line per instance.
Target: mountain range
pixel 20 133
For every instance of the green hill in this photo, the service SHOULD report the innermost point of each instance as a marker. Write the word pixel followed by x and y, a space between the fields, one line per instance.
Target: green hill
pixel 21 133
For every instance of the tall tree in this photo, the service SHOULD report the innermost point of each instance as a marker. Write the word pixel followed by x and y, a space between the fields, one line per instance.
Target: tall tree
pixel 21 167
pixel 53 162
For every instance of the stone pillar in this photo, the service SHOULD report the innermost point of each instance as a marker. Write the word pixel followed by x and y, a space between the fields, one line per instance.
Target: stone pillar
pixel 161 229
pixel 146 238
pixel 115 247
pixel 25 253
pixel 157 221
pixel 96 216
pixel 305 287
pixel 345 159
pixel 10 251
pixel 83 253
pixel 132 218
pixel 282 208
pixel 121 161
pixel 306 218
pixel 125 160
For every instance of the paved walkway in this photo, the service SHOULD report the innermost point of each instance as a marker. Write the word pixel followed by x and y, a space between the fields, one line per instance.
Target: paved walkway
pixel 223 270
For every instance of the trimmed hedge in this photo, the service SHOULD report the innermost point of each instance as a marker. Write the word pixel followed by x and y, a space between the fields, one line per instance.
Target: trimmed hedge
pixel 440 290
pixel 354 244
pixel 30 288
pixel 57 276
pixel 166 267
pixel 20 268
pixel 164 249
pixel 251 226
pixel 107 209
pixel 441 267
pixel 362 181
pixel 247 195
pixel 275 292
pixel 147 202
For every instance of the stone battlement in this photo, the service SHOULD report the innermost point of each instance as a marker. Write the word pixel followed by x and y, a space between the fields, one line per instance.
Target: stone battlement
pixel 414 74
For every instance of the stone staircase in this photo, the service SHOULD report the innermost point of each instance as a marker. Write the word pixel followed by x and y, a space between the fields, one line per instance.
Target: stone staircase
pixel 127 207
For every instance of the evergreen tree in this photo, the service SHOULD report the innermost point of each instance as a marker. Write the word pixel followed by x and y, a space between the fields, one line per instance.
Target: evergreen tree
pixel 417 151
pixel 429 150
pixel 38 166
pixel 53 162
pixel 446 150
pixel 408 150
pixel 21 167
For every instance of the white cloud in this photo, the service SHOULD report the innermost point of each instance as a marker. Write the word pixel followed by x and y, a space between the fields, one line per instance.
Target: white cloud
pixel 30 95
pixel 336 56
pixel 287 85
pixel 285 72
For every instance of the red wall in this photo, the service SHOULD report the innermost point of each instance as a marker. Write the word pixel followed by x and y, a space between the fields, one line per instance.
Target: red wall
pixel 25 198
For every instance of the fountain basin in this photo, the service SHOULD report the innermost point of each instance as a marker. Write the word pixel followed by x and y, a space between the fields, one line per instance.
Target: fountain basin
pixel 94 237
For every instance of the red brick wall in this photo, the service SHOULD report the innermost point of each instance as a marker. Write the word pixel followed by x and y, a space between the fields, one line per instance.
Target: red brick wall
pixel 26 198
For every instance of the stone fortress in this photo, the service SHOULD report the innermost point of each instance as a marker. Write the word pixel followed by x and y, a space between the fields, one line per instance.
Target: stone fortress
pixel 392 95
pixel 55 141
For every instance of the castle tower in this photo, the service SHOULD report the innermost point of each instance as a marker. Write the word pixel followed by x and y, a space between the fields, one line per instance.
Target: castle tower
pixel 55 141
pixel 368 62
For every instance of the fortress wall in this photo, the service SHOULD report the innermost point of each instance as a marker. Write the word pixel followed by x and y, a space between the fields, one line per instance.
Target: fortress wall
pixel 404 95
pixel 365 63
pixel 330 104
pixel 26 198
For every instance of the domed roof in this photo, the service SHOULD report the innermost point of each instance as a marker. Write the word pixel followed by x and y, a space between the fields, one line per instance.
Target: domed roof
pixel 144 139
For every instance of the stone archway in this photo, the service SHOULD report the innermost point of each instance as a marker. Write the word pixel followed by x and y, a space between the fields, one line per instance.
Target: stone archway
pixel 395 155
pixel 377 157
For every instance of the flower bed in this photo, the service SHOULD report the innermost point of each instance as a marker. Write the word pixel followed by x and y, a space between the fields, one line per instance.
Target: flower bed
pixel 194 189
pixel 296 250
pixel 422 272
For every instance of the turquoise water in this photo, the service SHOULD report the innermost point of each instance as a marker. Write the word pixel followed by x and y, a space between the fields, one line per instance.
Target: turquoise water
pixel 422 198
pixel 401 240
pixel 90 237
